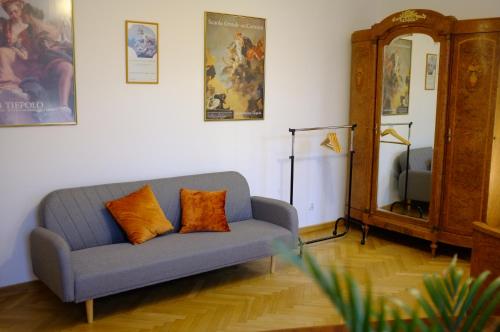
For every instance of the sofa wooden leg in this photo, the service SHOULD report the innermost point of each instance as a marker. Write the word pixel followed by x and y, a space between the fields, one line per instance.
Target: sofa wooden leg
pixel 89 307
pixel 273 264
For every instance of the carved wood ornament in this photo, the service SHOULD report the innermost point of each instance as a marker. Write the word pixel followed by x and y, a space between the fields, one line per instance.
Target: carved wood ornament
pixel 359 78
pixel 409 15
pixel 474 71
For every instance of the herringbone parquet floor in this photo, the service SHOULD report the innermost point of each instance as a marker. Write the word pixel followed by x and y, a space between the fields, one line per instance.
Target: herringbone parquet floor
pixel 240 298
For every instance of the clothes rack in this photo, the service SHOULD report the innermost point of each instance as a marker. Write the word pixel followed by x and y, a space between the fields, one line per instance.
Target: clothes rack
pixel 347 220
pixel 404 202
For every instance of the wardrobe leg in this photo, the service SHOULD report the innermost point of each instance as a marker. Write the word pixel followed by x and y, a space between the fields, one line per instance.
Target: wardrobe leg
pixel 433 248
pixel 365 233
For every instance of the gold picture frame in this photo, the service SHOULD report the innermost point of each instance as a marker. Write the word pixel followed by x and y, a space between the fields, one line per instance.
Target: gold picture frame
pixel 234 47
pixel 142 52
pixel 42 98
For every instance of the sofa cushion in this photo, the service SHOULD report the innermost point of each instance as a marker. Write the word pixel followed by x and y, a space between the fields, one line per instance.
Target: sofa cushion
pixel 115 268
pixel 140 215
pixel 203 211
pixel 79 216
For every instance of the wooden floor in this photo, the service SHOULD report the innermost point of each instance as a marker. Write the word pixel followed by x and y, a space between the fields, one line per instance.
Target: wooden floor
pixel 240 298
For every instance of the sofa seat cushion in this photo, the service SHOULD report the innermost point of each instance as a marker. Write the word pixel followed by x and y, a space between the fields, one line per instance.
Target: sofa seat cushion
pixel 109 269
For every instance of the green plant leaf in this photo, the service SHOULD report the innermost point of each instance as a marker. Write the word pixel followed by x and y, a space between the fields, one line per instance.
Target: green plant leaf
pixel 431 315
pixel 471 294
pixel 381 320
pixel 356 303
pixel 449 286
pixel 448 298
pixel 368 308
pixel 438 298
pixel 288 255
pixel 397 323
pixel 416 321
pixel 339 295
pixel 489 294
pixel 486 313
pixel 461 297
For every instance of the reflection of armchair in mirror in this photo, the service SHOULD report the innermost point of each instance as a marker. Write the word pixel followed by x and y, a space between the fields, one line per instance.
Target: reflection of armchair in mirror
pixel 419 186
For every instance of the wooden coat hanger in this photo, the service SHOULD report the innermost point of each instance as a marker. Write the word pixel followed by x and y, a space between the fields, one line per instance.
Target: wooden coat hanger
pixel 395 134
pixel 332 142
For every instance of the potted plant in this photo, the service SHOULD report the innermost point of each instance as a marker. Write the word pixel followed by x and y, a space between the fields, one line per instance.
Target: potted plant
pixel 454 302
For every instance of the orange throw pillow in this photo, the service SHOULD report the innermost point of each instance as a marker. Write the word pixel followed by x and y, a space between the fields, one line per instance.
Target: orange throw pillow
pixel 203 211
pixel 139 214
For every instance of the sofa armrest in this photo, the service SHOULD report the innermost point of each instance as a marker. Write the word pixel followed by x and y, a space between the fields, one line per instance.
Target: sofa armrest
pixel 50 256
pixel 276 212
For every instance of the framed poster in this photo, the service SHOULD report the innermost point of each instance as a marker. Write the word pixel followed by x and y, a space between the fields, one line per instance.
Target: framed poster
pixel 397 71
pixel 142 52
pixel 235 48
pixel 430 71
pixel 37 64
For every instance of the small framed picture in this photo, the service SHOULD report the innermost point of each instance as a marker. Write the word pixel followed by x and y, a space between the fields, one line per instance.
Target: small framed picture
pixel 430 72
pixel 141 40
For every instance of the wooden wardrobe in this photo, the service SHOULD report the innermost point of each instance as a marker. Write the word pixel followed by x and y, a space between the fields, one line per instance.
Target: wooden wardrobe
pixel 467 100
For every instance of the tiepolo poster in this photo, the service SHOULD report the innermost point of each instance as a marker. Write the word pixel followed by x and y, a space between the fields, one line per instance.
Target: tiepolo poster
pixel 37 81
pixel 234 67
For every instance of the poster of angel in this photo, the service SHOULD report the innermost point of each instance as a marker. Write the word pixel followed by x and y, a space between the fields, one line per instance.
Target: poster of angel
pixel 37 81
pixel 234 67
pixel 397 74
pixel 142 52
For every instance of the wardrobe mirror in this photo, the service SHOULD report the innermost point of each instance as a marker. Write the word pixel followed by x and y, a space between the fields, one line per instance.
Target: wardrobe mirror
pixel 407 125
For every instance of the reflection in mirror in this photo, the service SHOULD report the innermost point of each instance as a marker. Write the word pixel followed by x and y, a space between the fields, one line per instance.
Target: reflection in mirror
pixel 408 117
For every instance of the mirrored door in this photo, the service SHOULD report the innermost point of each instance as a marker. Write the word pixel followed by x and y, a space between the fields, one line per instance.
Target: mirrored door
pixel 407 125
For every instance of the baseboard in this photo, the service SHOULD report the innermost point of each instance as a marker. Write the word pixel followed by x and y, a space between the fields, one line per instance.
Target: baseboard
pixel 316 228
pixel 20 288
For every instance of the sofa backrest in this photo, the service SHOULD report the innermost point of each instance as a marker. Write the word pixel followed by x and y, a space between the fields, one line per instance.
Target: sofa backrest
pixel 80 217
pixel 420 159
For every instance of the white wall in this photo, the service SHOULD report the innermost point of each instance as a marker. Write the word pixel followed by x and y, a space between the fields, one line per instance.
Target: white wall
pixel 421 111
pixel 129 132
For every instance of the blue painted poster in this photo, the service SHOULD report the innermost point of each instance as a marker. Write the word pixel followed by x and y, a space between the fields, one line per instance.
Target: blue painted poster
pixel 142 52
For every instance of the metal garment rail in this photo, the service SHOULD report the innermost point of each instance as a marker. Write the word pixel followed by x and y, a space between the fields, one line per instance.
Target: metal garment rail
pixel 404 202
pixel 348 220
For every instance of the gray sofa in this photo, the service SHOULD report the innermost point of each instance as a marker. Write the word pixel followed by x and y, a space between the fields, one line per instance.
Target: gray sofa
pixel 81 253
pixel 420 174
